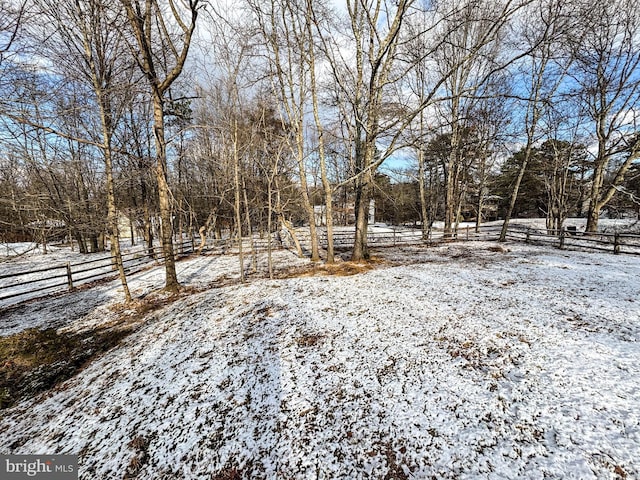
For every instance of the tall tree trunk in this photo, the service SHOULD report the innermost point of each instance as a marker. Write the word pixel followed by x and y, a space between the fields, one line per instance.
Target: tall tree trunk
pixel 306 201
pixel 326 185
pixel 237 205
pixel 148 26
pixel 132 231
pixel 363 195
pixel 247 213
pixel 452 167
pixel 424 213
pixel 180 232
pixel 112 221
pixel 480 207
pixel 106 121
pixel 164 194
pixel 148 229
pixel 269 227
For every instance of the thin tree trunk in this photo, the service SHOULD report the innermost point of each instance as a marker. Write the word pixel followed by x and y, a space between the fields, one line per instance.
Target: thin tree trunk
pixel 180 226
pixel 452 167
pixel 269 227
pixel 423 195
pixel 112 212
pixel 112 220
pixel 237 207
pixel 254 257
pixel 132 231
pixel 515 191
pixel 306 201
pixel 326 185
pixel 479 216
pixel 142 20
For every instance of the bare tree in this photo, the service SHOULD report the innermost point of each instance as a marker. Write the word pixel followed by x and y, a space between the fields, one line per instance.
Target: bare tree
pixel 370 94
pixel 563 163
pixel 161 55
pixel 12 15
pixel 606 47
pixel 135 137
pixel 312 23
pixel 467 60
pixel 489 121
pixel 363 83
pixel 542 80
pixel 90 48
pixel 284 27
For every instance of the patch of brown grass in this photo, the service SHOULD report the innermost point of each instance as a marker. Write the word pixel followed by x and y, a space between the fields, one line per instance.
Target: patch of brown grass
pixel 498 249
pixel 309 340
pixel 151 302
pixel 345 269
pixel 619 471
pixel 339 269
pixel 140 444
pixel 230 473
pixel 34 360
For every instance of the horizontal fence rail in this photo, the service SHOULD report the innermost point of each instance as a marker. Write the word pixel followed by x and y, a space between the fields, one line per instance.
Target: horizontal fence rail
pixel 27 285
pixel 18 287
pixel 617 243
pixel 403 236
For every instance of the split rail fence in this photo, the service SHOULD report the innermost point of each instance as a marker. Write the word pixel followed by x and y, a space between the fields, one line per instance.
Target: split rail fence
pixel 36 283
pixel 19 287
pixel 617 243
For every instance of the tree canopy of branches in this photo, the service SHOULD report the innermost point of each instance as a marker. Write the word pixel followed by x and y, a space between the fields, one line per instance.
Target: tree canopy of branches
pixel 265 115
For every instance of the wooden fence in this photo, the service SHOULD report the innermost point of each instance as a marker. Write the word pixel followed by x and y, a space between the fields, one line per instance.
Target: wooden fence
pixel 398 236
pixel 617 243
pixel 30 284
pixel 16 288
pixel 19 287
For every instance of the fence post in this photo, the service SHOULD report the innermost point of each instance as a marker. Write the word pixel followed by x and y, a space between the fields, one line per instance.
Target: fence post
pixel 467 233
pixel 528 235
pixel 562 234
pixel 69 278
pixel 616 243
pixel 394 235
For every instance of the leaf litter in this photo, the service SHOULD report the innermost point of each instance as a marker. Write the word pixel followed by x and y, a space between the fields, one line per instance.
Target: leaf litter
pixel 457 361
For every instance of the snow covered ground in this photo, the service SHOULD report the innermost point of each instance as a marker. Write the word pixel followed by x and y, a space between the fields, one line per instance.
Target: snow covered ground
pixel 457 361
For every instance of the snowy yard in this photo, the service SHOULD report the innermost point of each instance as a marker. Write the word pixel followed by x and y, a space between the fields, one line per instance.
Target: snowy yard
pixel 458 361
